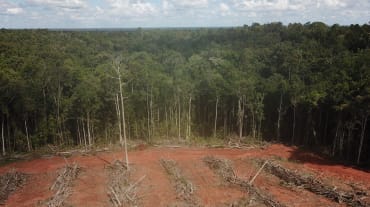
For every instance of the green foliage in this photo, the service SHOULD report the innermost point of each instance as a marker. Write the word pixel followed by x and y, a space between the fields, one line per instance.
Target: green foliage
pixel 57 79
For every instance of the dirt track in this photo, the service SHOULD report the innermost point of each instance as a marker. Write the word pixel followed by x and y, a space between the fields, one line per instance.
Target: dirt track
pixel 90 188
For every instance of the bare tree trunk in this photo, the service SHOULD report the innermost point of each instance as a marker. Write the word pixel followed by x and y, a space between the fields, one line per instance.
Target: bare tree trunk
pixel 166 119
pixel 225 123
pixel 350 127
pixel 189 119
pixel 215 124
pixel 78 133
pixel 28 140
pixel 173 114
pixel 179 118
pixel 84 133
pixel 326 128
pixel 88 128
pixel 123 112
pixel 363 129
pixel 279 116
pixel 293 127
pixel 240 116
pixel 151 111
pixel 253 124
pixel 341 142
pixel 148 110
pixel 8 131
pixel 259 133
pixel 119 120
pixel 2 135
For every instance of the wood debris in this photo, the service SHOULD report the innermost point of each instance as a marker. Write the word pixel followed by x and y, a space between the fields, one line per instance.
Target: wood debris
pixel 9 183
pixel 63 184
pixel 351 198
pixel 184 188
pixel 224 169
pixel 121 191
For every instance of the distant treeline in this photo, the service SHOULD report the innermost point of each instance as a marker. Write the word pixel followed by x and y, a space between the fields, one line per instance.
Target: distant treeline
pixel 304 84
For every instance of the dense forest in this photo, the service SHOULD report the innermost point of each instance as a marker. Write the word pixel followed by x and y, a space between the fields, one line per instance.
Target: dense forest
pixel 302 84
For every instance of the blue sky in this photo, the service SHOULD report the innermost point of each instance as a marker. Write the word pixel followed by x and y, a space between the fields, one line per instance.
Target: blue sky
pixel 177 13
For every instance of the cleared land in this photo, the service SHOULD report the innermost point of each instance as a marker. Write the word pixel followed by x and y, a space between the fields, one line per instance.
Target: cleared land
pixel 172 176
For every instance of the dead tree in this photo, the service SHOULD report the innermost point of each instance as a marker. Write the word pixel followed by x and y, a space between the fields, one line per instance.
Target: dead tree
pixel 117 64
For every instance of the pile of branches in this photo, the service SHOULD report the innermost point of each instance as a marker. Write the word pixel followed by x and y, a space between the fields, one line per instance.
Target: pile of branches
pixel 225 171
pixel 10 182
pixel 184 188
pixel 222 167
pixel 121 191
pixel 63 184
pixel 351 198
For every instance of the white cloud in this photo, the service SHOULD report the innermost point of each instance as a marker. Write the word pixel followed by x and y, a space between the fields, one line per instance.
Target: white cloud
pixel 168 13
pixel 16 10
pixel 131 8
pixel 335 3
pixel 8 8
pixel 224 9
pixel 67 4
pixel 268 5
pixel 189 3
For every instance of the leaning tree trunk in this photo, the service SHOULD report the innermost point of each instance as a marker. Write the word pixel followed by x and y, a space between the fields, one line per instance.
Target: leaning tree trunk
pixel 215 126
pixel 123 115
pixel 363 129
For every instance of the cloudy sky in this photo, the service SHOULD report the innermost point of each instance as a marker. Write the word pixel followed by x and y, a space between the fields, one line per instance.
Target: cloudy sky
pixel 177 13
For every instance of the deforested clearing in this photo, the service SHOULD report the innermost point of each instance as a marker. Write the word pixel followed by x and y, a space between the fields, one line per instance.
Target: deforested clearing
pixel 168 175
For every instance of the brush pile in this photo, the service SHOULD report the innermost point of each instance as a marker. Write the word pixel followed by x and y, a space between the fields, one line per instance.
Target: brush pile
pixel 121 192
pixel 9 183
pixel 225 171
pixel 63 185
pixel 351 198
pixel 184 188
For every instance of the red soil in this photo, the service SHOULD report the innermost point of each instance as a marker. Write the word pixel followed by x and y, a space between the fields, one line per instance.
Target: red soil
pixel 90 188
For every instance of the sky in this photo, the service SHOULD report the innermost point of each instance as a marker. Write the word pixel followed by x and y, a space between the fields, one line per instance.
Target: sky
pixel 177 13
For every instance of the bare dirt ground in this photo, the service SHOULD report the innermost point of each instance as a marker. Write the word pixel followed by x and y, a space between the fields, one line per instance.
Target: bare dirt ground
pixel 91 188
